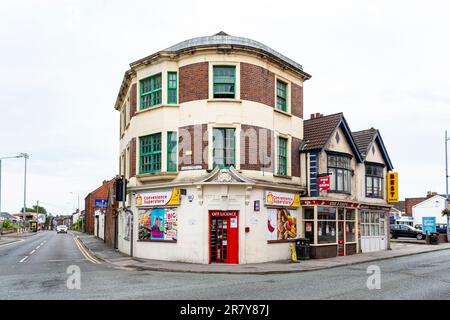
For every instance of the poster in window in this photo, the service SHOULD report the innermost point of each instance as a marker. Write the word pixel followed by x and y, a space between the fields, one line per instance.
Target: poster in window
pixel 128 226
pixel 157 224
pixel 281 224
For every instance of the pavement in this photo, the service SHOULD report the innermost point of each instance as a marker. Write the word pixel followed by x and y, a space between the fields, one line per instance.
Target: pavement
pixel 111 256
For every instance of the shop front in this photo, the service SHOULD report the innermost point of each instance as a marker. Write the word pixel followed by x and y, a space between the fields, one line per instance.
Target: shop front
pixel 331 227
pixel 224 236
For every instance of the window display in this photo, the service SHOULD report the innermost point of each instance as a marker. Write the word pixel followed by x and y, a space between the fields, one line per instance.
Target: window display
pixel 157 224
pixel 326 232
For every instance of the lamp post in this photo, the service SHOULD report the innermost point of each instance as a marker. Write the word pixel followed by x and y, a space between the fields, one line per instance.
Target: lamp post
pixel 2 158
pixel 446 185
pixel 25 156
pixel 78 196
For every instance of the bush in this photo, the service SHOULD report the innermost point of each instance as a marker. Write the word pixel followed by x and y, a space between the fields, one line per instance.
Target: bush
pixel 7 224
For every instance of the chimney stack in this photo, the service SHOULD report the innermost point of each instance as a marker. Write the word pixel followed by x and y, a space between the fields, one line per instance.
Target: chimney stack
pixel 312 116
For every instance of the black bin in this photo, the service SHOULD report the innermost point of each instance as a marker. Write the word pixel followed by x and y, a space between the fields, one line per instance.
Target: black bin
pixel 434 238
pixel 302 248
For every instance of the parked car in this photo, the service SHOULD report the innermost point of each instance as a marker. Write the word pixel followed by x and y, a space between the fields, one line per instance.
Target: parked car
pixel 61 229
pixel 405 231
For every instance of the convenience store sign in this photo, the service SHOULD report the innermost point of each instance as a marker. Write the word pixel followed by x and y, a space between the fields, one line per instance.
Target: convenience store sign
pixel 273 198
pixel 160 198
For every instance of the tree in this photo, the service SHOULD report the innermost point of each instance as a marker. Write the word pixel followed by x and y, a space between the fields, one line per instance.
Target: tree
pixel 35 208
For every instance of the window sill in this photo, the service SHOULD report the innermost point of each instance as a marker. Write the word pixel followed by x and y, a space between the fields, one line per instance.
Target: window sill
pixel 282 177
pixel 145 177
pixel 282 112
pixel 158 107
pixel 339 192
pixel 224 100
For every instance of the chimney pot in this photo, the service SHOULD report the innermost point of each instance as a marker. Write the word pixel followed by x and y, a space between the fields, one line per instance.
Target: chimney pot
pixel 318 115
pixel 312 116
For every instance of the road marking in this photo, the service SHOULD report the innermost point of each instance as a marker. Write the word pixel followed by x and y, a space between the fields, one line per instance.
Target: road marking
pixel 10 243
pixel 23 259
pixel 38 247
pixel 85 252
pixel 32 252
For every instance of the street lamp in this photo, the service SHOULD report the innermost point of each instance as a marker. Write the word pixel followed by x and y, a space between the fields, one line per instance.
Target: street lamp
pixel 446 185
pixel 18 156
pixel 78 195
pixel 25 156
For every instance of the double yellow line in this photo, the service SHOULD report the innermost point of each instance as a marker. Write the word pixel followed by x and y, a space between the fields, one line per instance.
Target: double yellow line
pixel 85 253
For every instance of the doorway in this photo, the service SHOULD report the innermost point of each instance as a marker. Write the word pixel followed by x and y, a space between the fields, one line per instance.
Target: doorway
pixel 341 243
pixel 223 237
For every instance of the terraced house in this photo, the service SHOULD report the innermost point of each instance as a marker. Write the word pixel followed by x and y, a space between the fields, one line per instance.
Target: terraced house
pixel 211 141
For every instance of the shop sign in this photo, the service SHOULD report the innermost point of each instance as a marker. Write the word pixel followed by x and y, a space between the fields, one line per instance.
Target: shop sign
pixel 392 187
pixel 101 203
pixel 324 183
pixel 343 204
pixel 273 198
pixel 428 224
pixel 223 213
pixel 160 198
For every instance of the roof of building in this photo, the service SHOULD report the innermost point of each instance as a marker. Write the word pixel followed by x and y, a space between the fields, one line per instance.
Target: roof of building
pixel 6 215
pixel 364 139
pixel 318 131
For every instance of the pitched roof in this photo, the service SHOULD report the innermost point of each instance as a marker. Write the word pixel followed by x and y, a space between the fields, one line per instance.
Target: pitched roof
pixel 317 133
pixel 364 140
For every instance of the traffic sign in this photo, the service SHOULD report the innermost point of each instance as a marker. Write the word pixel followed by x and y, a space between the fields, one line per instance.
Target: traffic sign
pixel 101 203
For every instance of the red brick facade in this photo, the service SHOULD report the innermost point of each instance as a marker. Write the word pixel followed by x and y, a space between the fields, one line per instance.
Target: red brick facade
pixel 100 193
pixel 252 157
pixel 198 145
pixel 193 82
pixel 297 100
pixel 257 84
pixel 295 157
pixel 111 223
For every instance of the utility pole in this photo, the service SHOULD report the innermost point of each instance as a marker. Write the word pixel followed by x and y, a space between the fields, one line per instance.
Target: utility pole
pixel 1 177
pixel 26 156
pixel 446 185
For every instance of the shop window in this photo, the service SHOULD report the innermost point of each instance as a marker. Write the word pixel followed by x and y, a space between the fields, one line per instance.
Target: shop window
pixel 172 151
pixel 339 171
pixel 371 224
pixel 150 153
pixel 224 78
pixel 282 156
pixel 308 213
pixel 150 91
pixel 350 232
pixel 281 95
pixel 157 224
pixel 308 223
pixel 326 232
pixel 374 181
pixel 224 147
pixel 326 213
pixel 281 224
pixel 350 214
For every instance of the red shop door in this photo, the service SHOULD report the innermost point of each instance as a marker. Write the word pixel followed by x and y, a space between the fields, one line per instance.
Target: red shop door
pixel 224 237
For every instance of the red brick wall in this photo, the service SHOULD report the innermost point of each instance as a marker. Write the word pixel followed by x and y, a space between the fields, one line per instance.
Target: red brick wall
pixel 133 100
pixel 410 202
pixel 193 82
pixel 257 84
pixel 295 157
pixel 297 100
pixel 249 149
pixel 198 144
pixel 89 202
pixel 110 217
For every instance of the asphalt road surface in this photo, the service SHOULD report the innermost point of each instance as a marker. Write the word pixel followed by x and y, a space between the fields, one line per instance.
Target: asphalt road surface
pixel 36 268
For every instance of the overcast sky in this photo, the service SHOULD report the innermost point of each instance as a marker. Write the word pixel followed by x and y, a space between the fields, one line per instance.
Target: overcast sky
pixel 383 63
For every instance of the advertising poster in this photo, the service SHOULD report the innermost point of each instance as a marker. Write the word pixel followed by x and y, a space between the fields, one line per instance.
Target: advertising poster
pixel 170 224
pixel 145 230
pixel 281 224
pixel 157 221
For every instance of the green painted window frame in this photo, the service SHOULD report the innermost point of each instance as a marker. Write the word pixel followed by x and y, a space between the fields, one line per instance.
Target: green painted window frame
pixel 282 94
pixel 224 163
pixel 154 93
pixel 172 88
pixel 221 80
pixel 172 142
pixel 150 153
pixel 282 156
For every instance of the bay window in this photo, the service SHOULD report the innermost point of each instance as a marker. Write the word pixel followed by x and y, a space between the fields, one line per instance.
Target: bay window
pixel 339 171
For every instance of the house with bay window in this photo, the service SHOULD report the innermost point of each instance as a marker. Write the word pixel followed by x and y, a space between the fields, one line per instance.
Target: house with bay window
pixel 345 209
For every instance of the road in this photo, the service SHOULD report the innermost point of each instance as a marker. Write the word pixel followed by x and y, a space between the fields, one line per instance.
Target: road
pixel 36 268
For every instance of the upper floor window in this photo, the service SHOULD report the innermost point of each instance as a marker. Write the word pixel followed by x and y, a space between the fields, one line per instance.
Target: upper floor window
pixel 281 95
pixel 224 147
pixel 339 171
pixel 172 88
pixel 150 153
pixel 171 151
pixel 224 81
pixel 374 181
pixel 282 156
pixel 150 91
